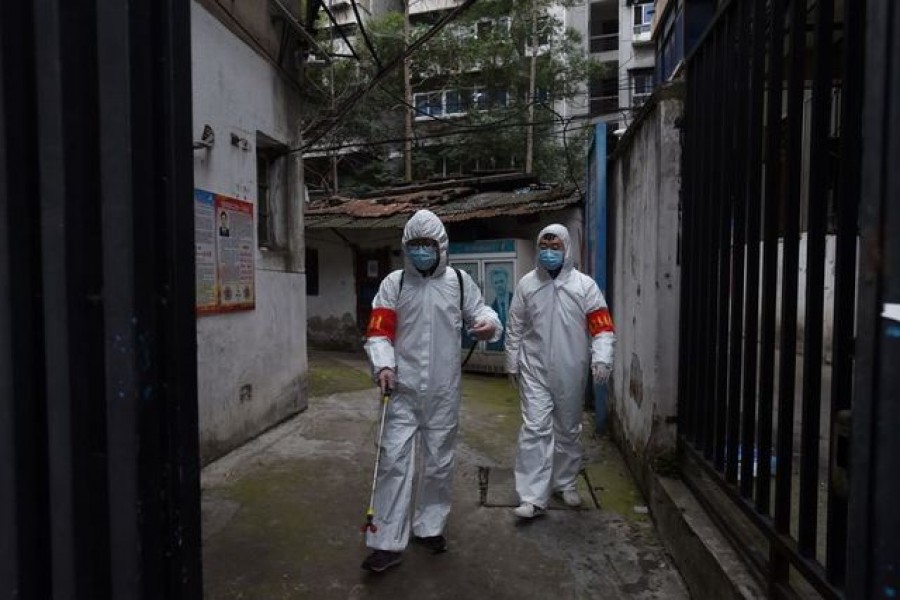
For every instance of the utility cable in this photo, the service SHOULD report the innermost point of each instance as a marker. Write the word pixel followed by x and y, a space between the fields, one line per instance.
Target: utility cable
pixel 365 35
pixel 566 123
pixel 444 134
pixel 320 128
pixel 339 30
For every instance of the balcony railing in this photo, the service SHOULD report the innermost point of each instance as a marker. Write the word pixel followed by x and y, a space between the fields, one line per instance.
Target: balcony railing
pixel 604 43
pixel 601 105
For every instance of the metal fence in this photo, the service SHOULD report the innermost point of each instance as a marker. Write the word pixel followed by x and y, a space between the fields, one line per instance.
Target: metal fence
pixel 99 477
pixel 771 180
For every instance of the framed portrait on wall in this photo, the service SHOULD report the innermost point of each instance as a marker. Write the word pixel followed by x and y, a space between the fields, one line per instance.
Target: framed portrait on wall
pixel 498 292
pixel 472 269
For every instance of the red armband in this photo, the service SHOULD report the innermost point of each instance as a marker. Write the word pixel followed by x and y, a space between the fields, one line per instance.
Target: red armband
pixel 599 321
pixel 382 323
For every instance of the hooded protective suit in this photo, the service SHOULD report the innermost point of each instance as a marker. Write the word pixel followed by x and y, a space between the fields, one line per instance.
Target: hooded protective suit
pixel 416 331
pixel 555 330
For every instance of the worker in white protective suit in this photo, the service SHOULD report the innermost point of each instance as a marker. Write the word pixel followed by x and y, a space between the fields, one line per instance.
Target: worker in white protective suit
pixel 558 331
pixel 413 343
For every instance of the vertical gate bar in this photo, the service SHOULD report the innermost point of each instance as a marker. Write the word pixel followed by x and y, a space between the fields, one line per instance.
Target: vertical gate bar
pixel 702 221
pixel 119 306
pixel 65 558
pixel 815 280
pixel 847 208
pixel 789 287
pixel 9 532
pixel 886 519
pixel 684 403
pixel 739 202
pixel 772 206
pixel 873 492
pixel 683 305
pixel 722 241
pixel 25 553
pixel 711 232
pixel 754 204
pixel 697 238
pixel 696 334
pixel 695 379
pixel 184 570
pixel 709 227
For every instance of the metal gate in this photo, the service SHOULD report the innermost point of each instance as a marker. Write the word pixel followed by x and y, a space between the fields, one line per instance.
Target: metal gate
pixel 771 188
pixel 99 478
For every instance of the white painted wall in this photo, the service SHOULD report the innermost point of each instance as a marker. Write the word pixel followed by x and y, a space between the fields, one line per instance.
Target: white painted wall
pixel 237 92
pixel 644 187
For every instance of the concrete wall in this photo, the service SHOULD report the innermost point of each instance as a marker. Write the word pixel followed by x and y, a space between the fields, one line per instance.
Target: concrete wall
pixel 331 314
pixel 644 184
pixel 251 365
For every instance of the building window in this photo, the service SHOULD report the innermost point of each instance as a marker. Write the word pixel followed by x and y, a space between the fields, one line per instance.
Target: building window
pixel 643 18
pixel 604 30
pixel 544 31
pixel 604 92
pixel 456 102
pixel 641 86
pixel 312 272
pixel 265 234
pixel 271 200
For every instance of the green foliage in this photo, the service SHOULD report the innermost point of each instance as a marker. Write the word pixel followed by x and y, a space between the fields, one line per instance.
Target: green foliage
pixel 484 56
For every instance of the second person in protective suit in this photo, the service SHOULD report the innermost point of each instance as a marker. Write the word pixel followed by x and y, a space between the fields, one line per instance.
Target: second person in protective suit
pixel 413 345
pixel 559 329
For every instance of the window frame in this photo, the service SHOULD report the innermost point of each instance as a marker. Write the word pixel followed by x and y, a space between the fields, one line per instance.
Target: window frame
pixel 646 10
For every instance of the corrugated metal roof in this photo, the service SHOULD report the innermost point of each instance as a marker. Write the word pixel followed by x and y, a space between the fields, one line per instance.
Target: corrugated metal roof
pixel 452 204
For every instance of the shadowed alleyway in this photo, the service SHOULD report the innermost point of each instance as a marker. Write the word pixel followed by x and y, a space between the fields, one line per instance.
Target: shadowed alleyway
pixel 282 514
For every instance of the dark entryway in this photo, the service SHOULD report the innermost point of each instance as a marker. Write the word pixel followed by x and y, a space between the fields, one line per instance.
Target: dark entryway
pixel 371 267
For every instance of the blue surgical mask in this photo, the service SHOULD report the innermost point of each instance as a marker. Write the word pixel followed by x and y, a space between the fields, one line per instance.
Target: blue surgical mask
pixel 550 259
pixel 423 257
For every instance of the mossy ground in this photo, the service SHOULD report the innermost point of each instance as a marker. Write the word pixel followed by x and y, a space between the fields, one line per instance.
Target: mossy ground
pixel 329 375
pixel 294 504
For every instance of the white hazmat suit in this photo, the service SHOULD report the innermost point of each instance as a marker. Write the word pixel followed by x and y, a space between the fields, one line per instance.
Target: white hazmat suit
pixel 557 329
pixel 416 332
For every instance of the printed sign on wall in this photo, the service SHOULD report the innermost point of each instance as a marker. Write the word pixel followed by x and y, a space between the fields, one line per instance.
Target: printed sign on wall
pixel 225 257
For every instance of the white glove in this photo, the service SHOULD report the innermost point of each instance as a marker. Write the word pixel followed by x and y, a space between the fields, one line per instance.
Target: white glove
pixel 601 372
pixel 482 330
pixel 386 380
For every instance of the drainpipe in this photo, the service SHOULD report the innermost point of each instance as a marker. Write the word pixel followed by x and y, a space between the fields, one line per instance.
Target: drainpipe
pixel 600 225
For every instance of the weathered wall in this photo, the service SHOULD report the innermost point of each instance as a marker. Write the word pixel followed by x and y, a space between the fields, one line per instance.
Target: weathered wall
pixel 331 314
pixel 644 184
pixel 252 364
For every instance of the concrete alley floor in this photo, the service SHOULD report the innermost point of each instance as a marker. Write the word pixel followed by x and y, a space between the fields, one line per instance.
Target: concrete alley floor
pixel 281 515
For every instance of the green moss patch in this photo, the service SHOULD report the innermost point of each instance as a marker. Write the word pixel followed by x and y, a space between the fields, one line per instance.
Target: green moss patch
pixel 330 376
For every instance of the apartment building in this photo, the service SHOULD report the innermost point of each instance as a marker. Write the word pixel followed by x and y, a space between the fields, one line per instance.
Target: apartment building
pixel 443 97
pixel 620 37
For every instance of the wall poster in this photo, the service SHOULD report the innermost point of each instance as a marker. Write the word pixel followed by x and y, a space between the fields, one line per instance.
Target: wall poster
pixel 498 294
pixel 225 256
pixel 472 269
